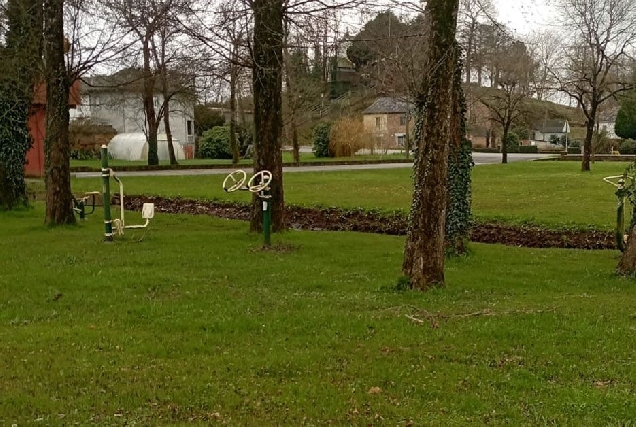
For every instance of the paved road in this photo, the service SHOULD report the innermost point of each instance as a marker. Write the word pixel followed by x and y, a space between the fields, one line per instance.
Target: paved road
pixel 479 158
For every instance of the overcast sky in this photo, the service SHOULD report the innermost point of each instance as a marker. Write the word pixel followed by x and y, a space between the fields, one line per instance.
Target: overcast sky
pixel 523 16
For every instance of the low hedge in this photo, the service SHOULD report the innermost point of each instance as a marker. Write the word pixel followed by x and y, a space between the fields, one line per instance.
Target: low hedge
pixel 528 149
pixel 486 150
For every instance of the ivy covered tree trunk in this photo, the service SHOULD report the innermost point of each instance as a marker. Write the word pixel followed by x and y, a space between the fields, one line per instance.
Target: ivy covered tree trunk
pixel 425 242
pixel 20 61
pixel 59 200
pixel 268 123
pixel 627 264
pixel 460 164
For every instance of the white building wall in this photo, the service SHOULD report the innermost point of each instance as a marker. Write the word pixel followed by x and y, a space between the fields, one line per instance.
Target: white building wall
pixel 609 127
pixel 124 112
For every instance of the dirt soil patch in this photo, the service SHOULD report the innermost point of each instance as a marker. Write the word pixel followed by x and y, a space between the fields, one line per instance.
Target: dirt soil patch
pixel 336 219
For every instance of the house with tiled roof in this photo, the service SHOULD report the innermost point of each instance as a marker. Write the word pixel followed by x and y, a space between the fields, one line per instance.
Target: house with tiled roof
pixel 388 121
pixel 607 122
pixel 551 130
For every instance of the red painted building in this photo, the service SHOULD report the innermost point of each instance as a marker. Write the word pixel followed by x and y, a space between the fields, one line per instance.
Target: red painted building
pixel 37 126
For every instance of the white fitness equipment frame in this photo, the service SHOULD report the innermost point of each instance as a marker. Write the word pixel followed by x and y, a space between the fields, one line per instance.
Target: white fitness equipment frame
pixel 617 184
pixel 258 183
pixel 237 179
pixel 147 211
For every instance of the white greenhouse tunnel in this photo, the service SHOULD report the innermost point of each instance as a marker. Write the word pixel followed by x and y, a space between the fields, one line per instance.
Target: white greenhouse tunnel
pixel 133 146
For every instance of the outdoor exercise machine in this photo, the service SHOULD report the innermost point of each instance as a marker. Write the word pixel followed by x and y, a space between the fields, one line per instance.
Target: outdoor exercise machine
pixel 618 181
pixel 118 224
pixel 80 205
pixel 258 184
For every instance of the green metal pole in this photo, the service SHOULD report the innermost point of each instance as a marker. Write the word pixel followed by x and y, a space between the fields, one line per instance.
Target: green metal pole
pixel 267 217
pixel 108 223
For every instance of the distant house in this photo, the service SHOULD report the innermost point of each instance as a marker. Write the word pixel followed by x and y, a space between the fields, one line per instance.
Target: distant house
pixel 607 122
pixel 342 76
pixel 549 130
pixel 116 100
pixel 388 121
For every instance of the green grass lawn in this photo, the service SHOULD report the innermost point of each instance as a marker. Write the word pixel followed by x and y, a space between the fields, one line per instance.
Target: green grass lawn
pixel 553 194
pixel 195 324
pixel 287 158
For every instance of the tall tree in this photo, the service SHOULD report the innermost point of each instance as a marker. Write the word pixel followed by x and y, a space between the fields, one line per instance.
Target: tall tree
pixel 625 126
pixel 59 208
pixel 154 24
pixel 91 42
pixel 20 61
pixel 544 47
pixel 596 60
pixel 267 54
pixel 507 103
pixel 424 249
pixel 472 13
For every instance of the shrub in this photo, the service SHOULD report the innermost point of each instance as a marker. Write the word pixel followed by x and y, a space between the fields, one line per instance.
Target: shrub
pixel 601 143
pixel 245 140
pixel 205 119
pixel 321 139
pixel 346 136
pixel 512 143
pixel 533 149
pixel 574 150
pixel 523 132
pixel 628 146
pixel 85 154
pixel 215 143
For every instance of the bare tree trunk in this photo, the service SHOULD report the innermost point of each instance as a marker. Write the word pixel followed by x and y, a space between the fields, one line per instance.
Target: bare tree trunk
pixel 424 250
pixel 149 106
pixel 407 140
pixel 504 145
pixel 165 89
pixel 587 144
pixel 291 102
pixel 469 50
pixel 168 128
pixel 480 68
pixel 233 82
pixel 268 123
pixel 59 199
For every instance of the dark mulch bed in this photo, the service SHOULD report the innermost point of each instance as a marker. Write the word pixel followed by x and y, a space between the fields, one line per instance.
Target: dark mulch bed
pixel 335 219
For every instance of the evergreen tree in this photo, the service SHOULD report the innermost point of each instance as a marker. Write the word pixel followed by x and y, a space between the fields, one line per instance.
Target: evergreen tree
pixel 19 70
pixel 626 118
